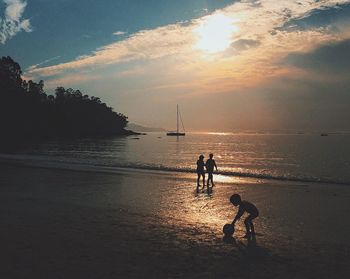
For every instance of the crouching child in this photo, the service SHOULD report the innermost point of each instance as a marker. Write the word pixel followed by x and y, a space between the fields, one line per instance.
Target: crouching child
pixel 245 206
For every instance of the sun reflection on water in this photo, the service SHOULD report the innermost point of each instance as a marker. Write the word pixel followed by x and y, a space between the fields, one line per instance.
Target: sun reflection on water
pixel 199 216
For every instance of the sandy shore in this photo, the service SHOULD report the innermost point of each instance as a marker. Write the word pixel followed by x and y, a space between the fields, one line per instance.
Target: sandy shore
pixel 76 224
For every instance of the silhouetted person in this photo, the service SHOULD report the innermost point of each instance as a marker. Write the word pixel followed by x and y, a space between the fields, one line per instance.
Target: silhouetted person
pixel 210 164
pixel 200 171
pixel 245 206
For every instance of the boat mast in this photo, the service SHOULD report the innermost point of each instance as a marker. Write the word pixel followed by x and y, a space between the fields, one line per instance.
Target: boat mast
pixel 177 118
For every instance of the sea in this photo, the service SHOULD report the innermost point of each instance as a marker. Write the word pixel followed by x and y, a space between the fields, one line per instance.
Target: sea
pixel 309 157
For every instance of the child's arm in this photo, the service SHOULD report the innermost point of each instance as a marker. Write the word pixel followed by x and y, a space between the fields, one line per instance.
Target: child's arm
pixel 238 216
pixel 215 166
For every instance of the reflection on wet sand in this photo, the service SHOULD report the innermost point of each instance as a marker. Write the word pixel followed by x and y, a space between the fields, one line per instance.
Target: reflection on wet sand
pixel 100 225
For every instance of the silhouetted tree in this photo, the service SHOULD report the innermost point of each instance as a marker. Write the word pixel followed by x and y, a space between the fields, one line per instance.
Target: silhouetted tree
pixel 27 111
pixel 10 74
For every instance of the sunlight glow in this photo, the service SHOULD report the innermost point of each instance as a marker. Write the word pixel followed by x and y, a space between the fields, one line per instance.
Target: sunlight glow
pixel 215 33
pixel 220 133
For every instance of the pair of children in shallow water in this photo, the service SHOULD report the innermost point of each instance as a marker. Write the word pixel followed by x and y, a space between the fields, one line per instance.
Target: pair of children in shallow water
pixel 210 164
pixel 245 206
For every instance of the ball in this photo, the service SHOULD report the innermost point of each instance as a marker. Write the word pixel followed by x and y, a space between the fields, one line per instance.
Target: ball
pixel 228 229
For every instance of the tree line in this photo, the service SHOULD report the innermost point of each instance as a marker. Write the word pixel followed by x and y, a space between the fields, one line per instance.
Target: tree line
pixel 27 111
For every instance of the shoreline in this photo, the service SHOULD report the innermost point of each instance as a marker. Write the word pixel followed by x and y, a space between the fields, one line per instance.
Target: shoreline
pixel 231 177
pixel 73 224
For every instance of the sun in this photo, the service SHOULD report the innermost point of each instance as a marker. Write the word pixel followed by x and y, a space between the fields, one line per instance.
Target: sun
pixel 215 33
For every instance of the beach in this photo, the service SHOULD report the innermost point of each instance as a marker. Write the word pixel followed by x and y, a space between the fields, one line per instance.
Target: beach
pixel 61 223
pixel 111 111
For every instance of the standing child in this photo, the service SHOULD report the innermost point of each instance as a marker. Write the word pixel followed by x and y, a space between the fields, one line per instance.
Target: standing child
pixel 245 206
pixel 200 171
pixel 210 164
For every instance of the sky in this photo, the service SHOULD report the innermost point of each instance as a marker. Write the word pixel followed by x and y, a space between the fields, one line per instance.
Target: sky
pixel 230 65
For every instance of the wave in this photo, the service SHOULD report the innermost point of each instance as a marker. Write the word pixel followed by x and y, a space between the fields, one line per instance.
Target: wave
pixel 76 164
pixel 234 174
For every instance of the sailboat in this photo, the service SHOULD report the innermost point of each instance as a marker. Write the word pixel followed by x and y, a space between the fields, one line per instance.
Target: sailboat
pixel 177 133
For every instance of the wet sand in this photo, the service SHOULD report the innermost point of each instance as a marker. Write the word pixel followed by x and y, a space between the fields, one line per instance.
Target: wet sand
pixel 84 224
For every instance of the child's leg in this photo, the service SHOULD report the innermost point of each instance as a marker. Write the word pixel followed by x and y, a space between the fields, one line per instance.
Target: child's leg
pixel 198 178
pixel 208 183
pixel 249 224
pixel 252 228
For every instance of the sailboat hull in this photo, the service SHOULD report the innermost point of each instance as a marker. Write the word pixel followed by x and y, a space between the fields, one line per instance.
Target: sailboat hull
pixel 175 134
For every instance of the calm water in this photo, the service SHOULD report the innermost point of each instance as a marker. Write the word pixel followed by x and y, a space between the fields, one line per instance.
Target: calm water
pixel 304 157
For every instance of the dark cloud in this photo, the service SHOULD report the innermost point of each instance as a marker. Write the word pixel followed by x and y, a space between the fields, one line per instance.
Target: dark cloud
pixel 244 44
pixel 339 14
pixel 317 100
pixel 331 59
pixel 238 46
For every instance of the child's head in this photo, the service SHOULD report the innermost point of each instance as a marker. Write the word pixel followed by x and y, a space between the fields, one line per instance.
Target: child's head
pixel 211 155
pixel 235 199
pixel 201 157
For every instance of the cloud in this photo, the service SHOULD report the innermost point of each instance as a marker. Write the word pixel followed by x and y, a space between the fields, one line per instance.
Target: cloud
pixel 11 23
pixel 255 53
pixel 322 17
pixel 244 44
pixel 42 63
pixel 119 33
pixel 146 44
pixel 330 58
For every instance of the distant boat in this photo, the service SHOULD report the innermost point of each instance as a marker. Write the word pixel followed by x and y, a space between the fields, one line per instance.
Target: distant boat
pixel 177 133
pixel 324 135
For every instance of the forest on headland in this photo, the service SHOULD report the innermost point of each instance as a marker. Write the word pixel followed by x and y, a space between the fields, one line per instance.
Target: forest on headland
pixel 27 111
